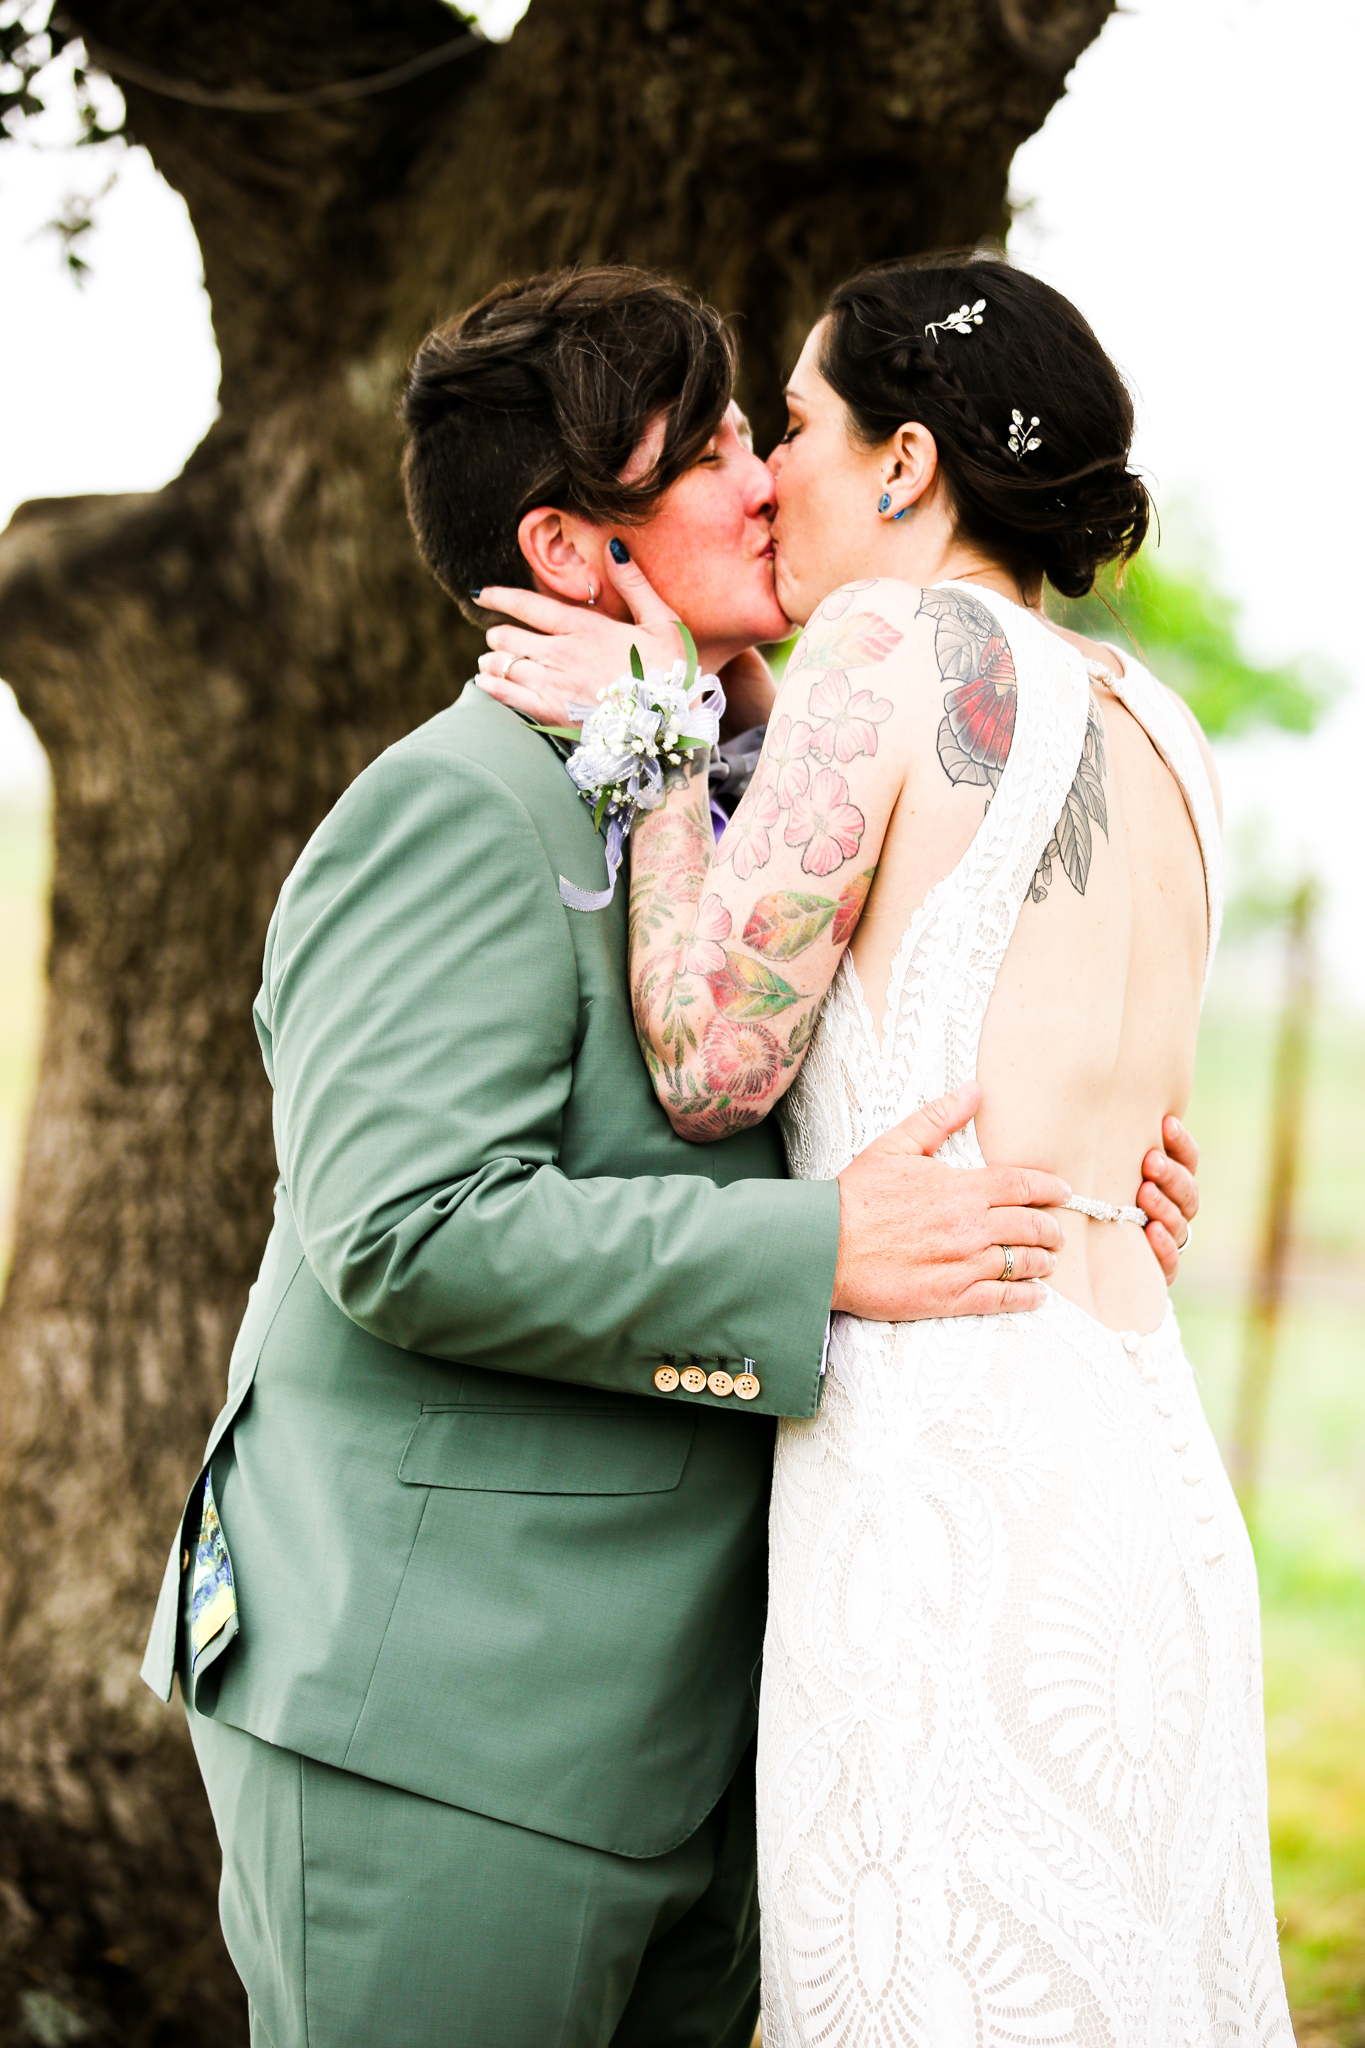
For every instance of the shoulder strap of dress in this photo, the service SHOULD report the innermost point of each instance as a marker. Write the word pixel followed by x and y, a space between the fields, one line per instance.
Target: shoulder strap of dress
pixel 1138 690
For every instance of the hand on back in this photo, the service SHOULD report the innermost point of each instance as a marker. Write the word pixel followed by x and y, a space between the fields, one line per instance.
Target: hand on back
pixel 918 1239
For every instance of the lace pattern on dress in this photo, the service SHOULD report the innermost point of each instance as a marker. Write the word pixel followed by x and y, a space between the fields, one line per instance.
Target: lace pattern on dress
pixel 1011 1756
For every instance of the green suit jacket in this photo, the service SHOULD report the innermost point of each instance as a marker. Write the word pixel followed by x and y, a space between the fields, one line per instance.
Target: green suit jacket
pixel 476 1554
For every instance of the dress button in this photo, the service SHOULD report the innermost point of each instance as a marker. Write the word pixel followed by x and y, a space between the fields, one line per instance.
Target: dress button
pixel 720 1384
pixel 666 1378
pixel 747 1387
pixel 694 1379
pixel 1131 1341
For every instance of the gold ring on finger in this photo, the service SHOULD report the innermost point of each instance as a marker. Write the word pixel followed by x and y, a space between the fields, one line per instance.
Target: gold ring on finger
pixel 1008 1273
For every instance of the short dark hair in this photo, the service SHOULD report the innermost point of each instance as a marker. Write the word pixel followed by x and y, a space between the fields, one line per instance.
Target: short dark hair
pixel 1066 507
pixel 539 395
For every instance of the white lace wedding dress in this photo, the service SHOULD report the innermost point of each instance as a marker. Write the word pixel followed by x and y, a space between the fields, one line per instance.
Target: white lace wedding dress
pixel 1011 1754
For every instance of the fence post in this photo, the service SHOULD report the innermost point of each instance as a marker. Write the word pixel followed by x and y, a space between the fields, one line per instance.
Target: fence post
pixel 1286 1147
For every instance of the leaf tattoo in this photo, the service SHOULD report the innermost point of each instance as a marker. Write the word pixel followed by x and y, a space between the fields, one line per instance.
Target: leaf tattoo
pixel 838 601
pixel 801 1036
pixel 846 643
pixel 744 989
pixel 851 907
pixel 784 924
pixel 1071 845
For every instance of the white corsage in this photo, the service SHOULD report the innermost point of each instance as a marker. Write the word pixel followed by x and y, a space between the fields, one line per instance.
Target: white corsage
pixel 644 723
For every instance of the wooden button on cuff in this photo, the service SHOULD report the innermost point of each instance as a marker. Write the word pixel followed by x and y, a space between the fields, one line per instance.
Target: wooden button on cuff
pixel 694 1379
pixel 747 1387
pixel 720 1384
pixel 665 1379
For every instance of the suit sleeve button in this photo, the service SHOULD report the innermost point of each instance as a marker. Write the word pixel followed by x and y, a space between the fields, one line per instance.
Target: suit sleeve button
pixel 666 1379
pixel 747 1387
pixel 720 1384
pixel 694 1379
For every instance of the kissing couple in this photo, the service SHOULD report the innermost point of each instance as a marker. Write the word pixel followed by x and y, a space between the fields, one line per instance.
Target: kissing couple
pixel 645 1534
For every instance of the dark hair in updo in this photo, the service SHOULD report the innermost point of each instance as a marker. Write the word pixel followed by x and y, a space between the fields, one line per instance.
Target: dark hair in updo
pixel 1069 506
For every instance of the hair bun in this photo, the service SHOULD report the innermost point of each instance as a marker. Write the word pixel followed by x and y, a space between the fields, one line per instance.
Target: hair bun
pixel 1032 421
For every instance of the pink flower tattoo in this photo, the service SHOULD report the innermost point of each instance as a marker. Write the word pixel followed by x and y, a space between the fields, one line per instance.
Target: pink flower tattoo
pixel 826 824
pixel 746 845
pixel 740 1059
pixel 850 719
pixel 789 742
pixel 706 955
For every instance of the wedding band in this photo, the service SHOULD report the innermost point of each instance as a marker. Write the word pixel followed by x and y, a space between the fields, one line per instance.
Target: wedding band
pixel 1181 1249
pixel 1008 1250
pixel 510 663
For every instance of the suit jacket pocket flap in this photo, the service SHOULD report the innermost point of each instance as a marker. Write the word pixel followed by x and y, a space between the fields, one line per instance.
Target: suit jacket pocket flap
pixel 506 1450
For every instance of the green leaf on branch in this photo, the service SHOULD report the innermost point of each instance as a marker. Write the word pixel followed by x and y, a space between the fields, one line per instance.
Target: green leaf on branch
pixel 690 650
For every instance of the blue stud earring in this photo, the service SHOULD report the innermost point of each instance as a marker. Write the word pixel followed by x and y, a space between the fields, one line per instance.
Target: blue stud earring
pixel 884 502
pixel 904 509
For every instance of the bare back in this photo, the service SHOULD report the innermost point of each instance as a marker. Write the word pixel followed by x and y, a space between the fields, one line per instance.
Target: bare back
pixel 1089 1032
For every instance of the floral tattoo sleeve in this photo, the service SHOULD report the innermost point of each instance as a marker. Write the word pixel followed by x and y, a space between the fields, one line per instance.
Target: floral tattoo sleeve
pixel 733 946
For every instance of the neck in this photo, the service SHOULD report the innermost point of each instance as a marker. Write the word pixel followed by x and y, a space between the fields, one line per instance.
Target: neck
pixel 927 550
pixel 955 561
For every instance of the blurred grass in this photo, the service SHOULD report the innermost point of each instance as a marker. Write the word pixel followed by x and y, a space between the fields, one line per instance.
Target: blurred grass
pixel 1311 1527
pixel 1310 1524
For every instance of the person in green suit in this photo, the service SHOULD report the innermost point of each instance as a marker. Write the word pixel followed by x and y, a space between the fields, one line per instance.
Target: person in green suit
pixel 468 1596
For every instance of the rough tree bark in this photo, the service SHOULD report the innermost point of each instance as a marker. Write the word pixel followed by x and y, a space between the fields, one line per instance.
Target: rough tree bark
pixel 208 666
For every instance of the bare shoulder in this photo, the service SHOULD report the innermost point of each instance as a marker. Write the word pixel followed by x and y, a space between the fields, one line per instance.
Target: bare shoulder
pixel 1205 750
pixel 905 632
pixel 864 624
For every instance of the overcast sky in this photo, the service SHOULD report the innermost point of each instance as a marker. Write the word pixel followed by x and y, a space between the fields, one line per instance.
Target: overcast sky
pixel 1196 192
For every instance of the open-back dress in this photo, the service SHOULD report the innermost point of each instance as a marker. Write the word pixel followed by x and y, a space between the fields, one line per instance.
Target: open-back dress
pixel 1011 1751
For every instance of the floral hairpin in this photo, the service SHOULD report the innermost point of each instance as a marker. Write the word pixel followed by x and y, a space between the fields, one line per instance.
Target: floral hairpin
pixel 962 321
pixel 1023 440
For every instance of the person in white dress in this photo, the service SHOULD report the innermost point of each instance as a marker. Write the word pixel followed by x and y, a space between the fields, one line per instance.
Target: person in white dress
pixel 1011 1778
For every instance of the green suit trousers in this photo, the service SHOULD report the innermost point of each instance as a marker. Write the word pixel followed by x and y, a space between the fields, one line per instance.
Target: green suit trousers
pixel 359 1915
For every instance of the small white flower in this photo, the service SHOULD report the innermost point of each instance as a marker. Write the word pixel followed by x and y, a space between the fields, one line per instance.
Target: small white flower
pixel 635 726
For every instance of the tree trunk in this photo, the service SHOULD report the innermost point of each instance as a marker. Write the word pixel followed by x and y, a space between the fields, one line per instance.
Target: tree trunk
pixel 208 666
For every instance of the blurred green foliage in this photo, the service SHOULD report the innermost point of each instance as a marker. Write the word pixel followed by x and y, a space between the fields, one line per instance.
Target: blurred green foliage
pixel 1186 631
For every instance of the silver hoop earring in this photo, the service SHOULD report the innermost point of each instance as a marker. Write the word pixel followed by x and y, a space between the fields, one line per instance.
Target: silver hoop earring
pixel 592 594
